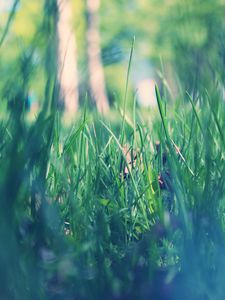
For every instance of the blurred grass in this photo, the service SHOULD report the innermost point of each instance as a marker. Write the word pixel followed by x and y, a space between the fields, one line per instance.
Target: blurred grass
pixel 73 226
pixel 124 206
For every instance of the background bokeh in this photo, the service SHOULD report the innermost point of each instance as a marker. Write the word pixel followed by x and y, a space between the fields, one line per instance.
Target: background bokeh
pixel 179 44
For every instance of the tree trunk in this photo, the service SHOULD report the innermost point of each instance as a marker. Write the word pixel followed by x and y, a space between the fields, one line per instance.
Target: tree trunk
pixel 95 68
pixel 67 59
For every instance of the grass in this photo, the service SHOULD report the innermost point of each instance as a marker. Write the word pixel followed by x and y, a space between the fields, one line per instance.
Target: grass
pixel 83 218
pixel 126 206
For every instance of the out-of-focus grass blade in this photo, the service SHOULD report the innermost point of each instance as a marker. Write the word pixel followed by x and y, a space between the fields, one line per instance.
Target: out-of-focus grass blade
pixel 159 102
pixel 195 112
pixel 216 120
pixel 70 141
pixel 9 21
pixel 127 83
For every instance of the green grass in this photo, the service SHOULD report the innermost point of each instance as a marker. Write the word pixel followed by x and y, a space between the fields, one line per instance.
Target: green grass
pixel 125 206
pixel 73 225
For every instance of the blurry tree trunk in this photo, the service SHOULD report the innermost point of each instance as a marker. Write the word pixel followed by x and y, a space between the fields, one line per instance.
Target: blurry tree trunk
pixel 67 59
pixel 95 68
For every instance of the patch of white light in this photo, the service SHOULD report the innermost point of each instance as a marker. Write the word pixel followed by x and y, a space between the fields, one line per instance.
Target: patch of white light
pixel 5 5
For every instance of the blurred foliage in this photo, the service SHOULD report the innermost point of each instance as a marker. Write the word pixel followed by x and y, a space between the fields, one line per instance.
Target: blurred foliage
pixel 115 207
pixel 188 35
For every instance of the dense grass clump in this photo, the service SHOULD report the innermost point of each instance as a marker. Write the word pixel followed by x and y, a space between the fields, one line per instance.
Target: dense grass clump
pixel 105 210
